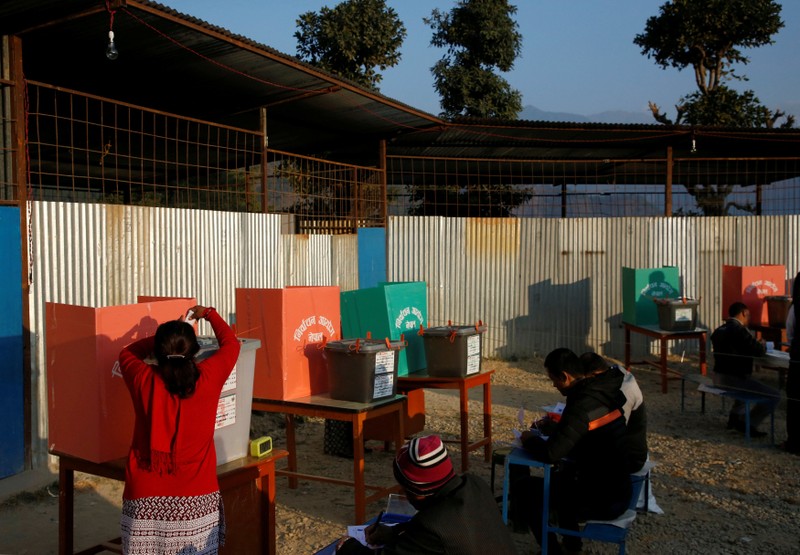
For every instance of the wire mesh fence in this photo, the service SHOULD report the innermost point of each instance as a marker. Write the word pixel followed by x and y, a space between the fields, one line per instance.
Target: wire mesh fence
pixel 323 196
pixel 592 188
pixel 8 187
pixel 85 148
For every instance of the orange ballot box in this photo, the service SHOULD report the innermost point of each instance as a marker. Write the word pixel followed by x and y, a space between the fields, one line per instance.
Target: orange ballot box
pixel 90 410
pixel 751 285
pixel 293 325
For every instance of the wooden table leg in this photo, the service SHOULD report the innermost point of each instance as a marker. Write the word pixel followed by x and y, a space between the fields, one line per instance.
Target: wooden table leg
pixel 627 348
pixel 703 365
pixel 266 486
pixel 663 355
pixel 487 420
pixel 291 446
pixel 399 434
pixel 66 491
pixel 463 394
pixel 358 467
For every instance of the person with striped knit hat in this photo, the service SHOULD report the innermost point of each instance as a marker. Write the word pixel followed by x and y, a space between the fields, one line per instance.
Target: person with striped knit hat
pixel 456 514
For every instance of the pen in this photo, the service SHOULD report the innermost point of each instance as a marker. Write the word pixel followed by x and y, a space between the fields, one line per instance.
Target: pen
pixel 380 516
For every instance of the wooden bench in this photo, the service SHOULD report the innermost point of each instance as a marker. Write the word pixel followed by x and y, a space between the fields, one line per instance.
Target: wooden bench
pixel 706 386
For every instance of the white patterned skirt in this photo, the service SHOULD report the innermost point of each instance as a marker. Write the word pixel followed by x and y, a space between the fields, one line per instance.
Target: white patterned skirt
pixel 173 525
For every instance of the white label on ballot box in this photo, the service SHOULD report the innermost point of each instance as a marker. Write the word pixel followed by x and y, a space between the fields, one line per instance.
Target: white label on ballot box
pixel 683 314
pixel 473 345
pixel 473 364
pixel 384 362
pixel 384 384
pixel 226 411
pixel 230 383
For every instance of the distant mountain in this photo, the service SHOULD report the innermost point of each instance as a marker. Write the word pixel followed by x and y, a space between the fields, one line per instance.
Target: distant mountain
pixel 533 113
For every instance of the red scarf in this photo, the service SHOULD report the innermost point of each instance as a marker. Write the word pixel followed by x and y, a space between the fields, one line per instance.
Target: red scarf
pixel 156 451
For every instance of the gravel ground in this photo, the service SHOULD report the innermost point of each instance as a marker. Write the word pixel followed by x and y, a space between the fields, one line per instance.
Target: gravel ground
pixel 719 495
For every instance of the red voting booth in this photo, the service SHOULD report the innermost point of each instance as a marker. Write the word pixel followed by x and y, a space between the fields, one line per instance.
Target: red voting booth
pixel 751 285
pixel 90 412
pixel 292 324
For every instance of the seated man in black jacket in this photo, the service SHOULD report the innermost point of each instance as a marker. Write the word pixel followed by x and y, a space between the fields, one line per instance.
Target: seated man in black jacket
pixel 734 349
pixel 633 409
pixel 594 482
pixel 455 514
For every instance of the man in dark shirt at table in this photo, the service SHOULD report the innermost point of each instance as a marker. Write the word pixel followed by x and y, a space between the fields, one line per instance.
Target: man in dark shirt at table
pixel 588 446
pixel 455 514
pixel 734 349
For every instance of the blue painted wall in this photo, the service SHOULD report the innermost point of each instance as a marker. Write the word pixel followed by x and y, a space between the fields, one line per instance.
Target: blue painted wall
pixel 12 441
pixel 371 256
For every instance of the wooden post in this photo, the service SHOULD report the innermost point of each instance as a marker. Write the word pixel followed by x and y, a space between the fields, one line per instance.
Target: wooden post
pixel 759 199
pixel 356 199
pixel 384 181
pixel 20 178
pixel 564 200
pixel 264 160
pixel 668 185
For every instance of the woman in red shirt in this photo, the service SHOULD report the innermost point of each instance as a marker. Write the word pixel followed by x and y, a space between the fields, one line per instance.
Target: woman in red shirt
pixel 171 503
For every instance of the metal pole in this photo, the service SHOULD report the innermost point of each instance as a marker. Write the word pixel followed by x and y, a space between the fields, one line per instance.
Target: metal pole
pixel 668 185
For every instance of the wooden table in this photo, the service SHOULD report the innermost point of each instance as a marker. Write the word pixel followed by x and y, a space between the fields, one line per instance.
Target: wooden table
pixel 664 337
pixel 778 361
pixel 248 494
pixel 421 380
pixel 322 406
pixel 771 333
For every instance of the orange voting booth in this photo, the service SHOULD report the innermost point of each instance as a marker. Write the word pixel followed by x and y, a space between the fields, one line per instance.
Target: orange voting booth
pixel 751 285
pixel 90 411
pixel 292 324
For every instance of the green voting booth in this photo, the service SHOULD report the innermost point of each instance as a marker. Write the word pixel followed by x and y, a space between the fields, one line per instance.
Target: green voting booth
pixel 641 286
pixel 389 310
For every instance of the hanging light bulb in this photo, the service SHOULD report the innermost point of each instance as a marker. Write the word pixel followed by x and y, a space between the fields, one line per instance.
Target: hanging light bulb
pixel 111 49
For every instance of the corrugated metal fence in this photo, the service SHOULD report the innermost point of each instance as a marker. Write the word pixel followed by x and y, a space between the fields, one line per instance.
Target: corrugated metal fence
pixel 546 283
pixel 537 283
pixel 102 255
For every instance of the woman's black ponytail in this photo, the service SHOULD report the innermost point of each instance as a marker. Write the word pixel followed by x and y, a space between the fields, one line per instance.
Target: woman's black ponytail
pixel 175 347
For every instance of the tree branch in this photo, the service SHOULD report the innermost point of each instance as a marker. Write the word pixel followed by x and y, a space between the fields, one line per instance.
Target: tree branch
pixel 658 115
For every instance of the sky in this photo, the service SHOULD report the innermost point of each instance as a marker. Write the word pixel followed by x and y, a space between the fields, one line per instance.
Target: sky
pixel 577 56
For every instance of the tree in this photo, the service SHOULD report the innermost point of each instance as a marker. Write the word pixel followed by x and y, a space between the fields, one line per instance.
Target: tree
pixel 480 37
pixel 485 200
pixel 708 36
pixel 352 39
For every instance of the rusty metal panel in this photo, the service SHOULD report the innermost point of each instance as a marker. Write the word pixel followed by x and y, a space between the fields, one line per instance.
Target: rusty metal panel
pixel 344 261
pixel 308 259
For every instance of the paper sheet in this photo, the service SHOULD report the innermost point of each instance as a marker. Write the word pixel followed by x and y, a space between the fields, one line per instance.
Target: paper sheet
pixel 357 532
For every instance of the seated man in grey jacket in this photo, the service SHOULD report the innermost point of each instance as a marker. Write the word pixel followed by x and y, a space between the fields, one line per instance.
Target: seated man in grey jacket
pixel 633 408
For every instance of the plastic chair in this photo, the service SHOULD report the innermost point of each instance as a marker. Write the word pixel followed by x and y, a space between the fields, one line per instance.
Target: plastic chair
pixel 615 531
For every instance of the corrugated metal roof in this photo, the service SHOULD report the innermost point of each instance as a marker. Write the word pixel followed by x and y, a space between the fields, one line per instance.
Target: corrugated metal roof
pixel 531 140
pixel 183 65
pixel 180 64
